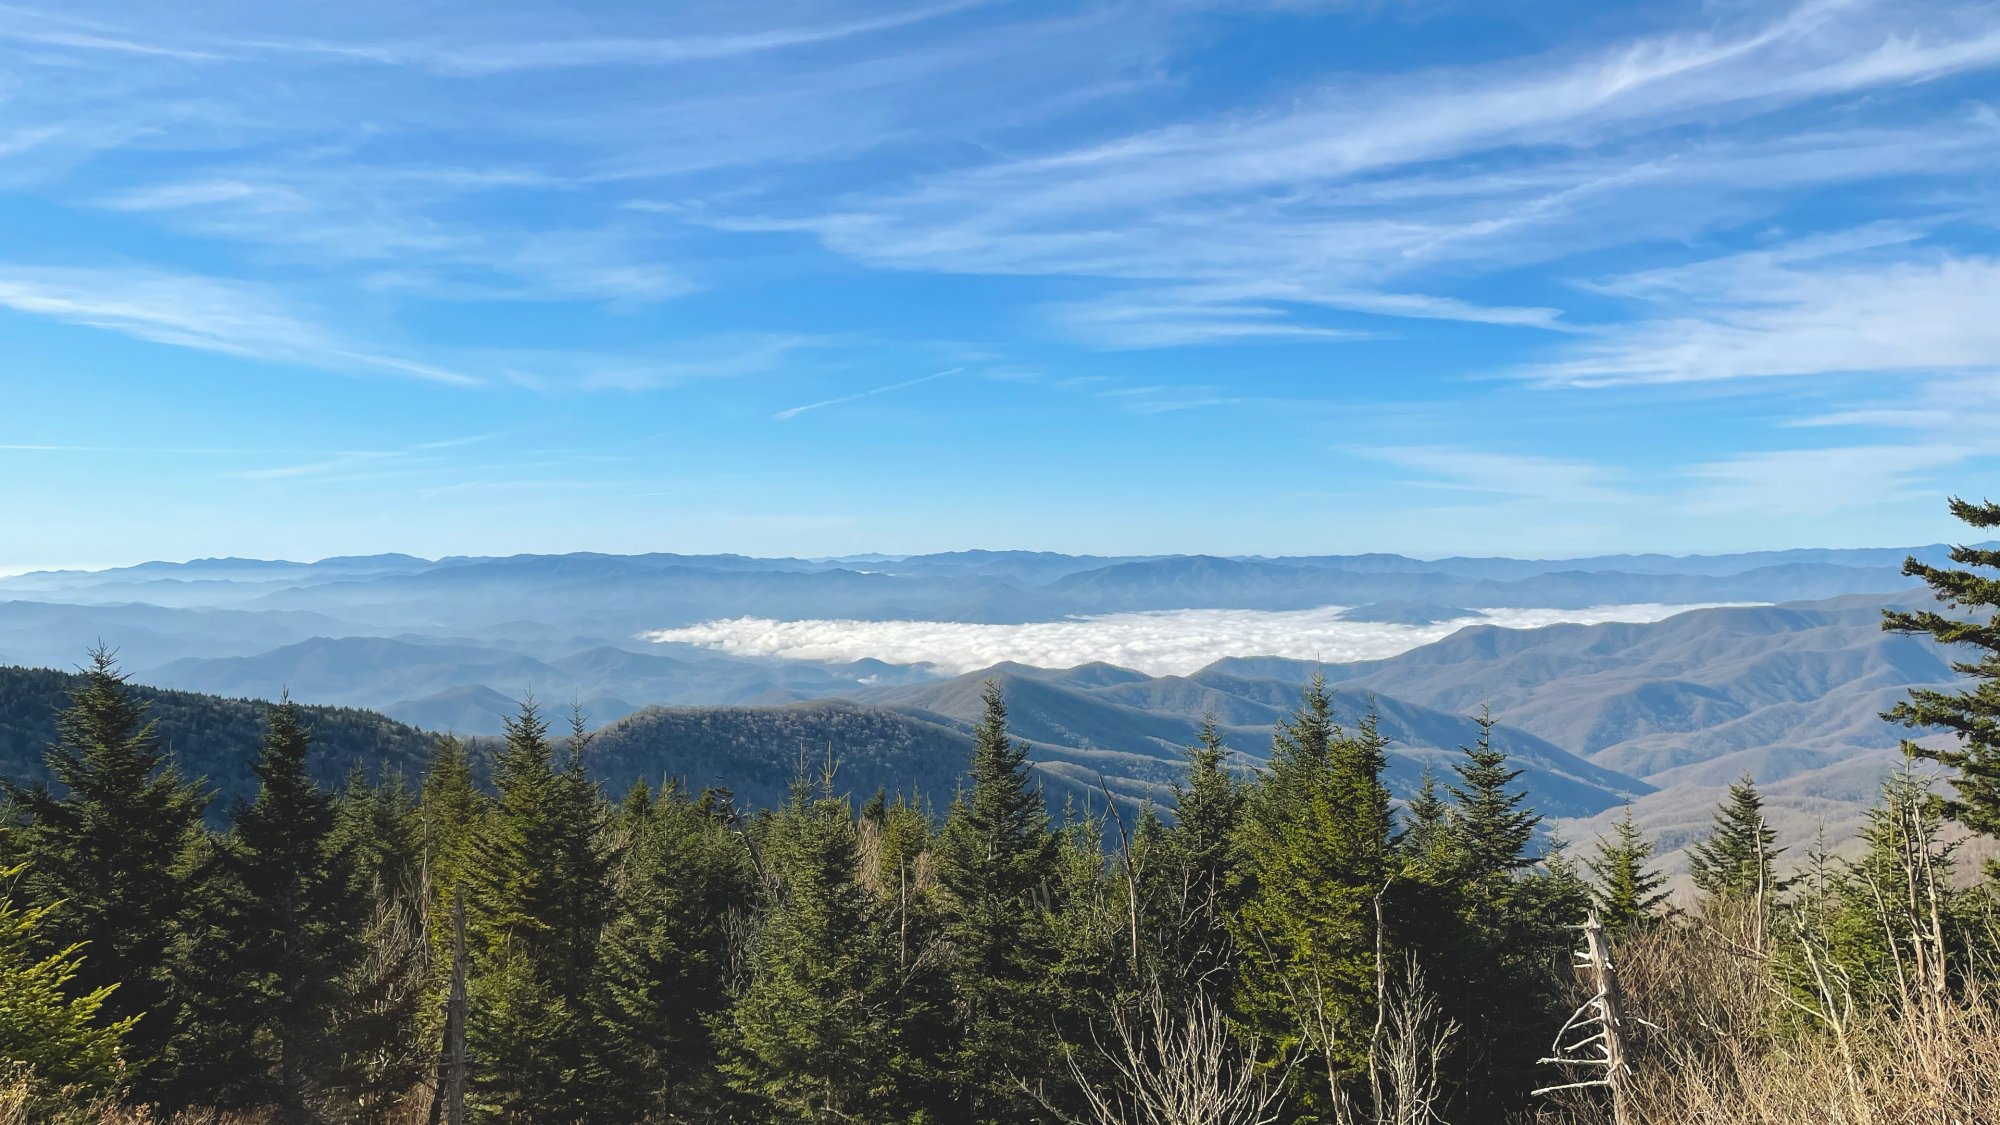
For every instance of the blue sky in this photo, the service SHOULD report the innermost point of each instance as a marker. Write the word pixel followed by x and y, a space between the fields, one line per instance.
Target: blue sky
pixel 794 277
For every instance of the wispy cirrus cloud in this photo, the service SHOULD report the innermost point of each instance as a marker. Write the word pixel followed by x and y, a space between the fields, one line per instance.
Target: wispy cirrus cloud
pixel 1336 199
pixel 1820 482
pixel 200 313
pixel 1507 476
pixel 1876 299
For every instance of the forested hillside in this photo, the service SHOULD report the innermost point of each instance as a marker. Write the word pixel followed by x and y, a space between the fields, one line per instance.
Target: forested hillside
pixel 907 740
pixel 211 738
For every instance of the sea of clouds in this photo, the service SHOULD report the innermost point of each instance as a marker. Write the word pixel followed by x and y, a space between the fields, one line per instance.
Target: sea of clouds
pixel 1162 643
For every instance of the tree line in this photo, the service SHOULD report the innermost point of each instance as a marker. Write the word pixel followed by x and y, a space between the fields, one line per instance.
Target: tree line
pixel 1283 944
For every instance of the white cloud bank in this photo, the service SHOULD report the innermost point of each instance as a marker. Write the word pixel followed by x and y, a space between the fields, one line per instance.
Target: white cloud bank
pixel 1168 642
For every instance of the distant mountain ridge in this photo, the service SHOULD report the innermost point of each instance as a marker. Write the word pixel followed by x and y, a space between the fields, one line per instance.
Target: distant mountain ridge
pixel 587 590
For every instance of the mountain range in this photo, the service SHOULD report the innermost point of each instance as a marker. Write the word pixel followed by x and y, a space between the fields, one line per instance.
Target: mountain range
pixel 1662 714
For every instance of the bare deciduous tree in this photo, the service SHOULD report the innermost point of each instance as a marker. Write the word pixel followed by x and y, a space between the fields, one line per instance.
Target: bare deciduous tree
pixel 1176 1065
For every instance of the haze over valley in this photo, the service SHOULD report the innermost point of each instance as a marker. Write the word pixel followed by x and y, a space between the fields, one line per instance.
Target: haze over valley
pixel 1649 679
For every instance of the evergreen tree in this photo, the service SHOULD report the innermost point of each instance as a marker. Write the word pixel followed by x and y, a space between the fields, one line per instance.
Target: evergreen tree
pixel 451 817
pixel 1098 958
pixel 1973 715
pixel 1428 816
pixel 539 889
pixel 1737 862
pixel 450 828
pixel 383 1028
pixel 1208 805
pixel 1314 854
pixel 212 1058
pixel 56 1033
pixel 1896 923
pixel 1192 889
pixel 1514 924
pixel 377 826
pixel 104 848
pixel 1628 889
pixel 1488 826
pixel 684 891
pixel 996 863
pixel 303 920
pixel 816 1034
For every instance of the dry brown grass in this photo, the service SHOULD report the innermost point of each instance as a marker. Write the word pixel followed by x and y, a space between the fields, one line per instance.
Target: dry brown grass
pixel 22 1104
pixel 1729 1050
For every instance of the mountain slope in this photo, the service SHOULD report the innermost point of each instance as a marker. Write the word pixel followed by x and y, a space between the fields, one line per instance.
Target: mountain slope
pixel 459 685
pixel 208 736
pixel 1139 729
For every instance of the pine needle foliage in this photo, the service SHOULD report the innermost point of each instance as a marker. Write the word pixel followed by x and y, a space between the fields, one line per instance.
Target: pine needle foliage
pixel 1628 890
pixel 996 869
pixel 104 847
pixel 1973 713
pixel 1738 860
pixel 45 1025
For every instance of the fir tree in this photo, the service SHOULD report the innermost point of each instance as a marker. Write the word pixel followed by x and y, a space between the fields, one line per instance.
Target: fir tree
pixel 539 889
pixel 1737 862
pixel 1314 851
pixel 1973 715
pixel 1192 889
pixel 996 860
pixel 1096 963
pixel 450 828
pixel 1490 920
pixel 1424 839
pixel 686 887
pixel 45 1026
pixel 1896 924
pixel 451 817
pixel 304 916
pixel 105 849
pixel 816 1034
pixel 1628 889
pixel 1208 807
pixel 376 824
pixel 1489 827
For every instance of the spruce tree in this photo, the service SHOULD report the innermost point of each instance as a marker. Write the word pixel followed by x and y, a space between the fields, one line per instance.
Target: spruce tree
pixel 996 863
pixel 1737 862
pixel 1208 807
pixel 539 890
pixel 1628 889
pixel 1090 920
pixel 46 1026
pixel 105 847
pixel 685 889
pixel 1488 825
pixel 1973 715
pixel 815 1035
pixel 1493 919
pixel 1314 851
pixel 1193 888
pixel 303 921
pixel 450 827
pixel 1424 837
pixel 1898 926
pixel 377 825
pixel 451 817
